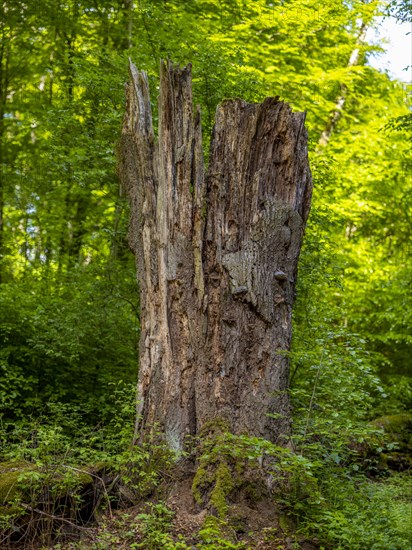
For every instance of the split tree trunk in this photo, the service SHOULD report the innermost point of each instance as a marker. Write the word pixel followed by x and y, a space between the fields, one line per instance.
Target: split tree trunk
pixel 216 257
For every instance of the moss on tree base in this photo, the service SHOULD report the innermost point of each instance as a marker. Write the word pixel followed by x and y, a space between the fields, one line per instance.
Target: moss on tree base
pixel 10 473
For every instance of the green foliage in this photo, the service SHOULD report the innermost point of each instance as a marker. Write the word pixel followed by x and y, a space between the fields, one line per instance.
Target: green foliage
pixel 321 489
pixel 401 9
pixel 365 515
pixel 148 530
pixel 154 527
pixel 215 535
pixel 69 322
pixel 401 124
pixel 226 460
pixel 60 465
pixel 70 346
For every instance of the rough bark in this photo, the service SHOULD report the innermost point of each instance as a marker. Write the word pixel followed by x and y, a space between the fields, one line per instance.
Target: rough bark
pixel 216 256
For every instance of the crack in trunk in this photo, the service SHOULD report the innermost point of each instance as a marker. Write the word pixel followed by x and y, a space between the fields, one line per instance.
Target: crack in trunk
pixel 216 257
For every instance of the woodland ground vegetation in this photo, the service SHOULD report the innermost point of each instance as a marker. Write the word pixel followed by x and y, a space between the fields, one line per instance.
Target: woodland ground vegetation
pixel 69 307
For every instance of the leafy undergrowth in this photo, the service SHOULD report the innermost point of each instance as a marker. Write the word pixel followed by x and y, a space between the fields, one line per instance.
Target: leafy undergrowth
pixel 156 529
pixel 63 487
pixel 376 517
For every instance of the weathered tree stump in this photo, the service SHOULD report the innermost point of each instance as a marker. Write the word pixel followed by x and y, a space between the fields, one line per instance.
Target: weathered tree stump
pixel 216 256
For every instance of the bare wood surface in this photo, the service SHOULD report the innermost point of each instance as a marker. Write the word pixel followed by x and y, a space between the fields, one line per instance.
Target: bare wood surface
pixel 216 256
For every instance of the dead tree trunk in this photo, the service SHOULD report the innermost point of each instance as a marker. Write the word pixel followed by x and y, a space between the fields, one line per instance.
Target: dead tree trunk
pixel 216 256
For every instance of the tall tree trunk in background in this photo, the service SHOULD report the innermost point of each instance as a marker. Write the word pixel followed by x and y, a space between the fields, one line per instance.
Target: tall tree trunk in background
pixel 341 100
pixel 1 191
pixel 4 79
pixel 216 257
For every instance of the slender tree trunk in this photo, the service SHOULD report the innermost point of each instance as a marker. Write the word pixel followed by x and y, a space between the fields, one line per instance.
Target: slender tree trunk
pixel 128 18
pixel 216 257
pixel 2 181
pixel 78 231
pixel 341 100
pixel 4 76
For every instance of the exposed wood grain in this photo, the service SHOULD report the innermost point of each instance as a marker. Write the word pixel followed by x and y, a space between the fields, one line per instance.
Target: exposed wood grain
pixel 216 256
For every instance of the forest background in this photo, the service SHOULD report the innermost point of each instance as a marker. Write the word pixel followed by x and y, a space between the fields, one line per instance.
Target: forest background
pixel 69 307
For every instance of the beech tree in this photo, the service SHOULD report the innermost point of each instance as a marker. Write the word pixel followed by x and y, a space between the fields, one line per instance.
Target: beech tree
pixel 216 254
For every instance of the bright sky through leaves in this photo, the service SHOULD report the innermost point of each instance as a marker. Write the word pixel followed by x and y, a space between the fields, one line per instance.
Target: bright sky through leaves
pixel 396 39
